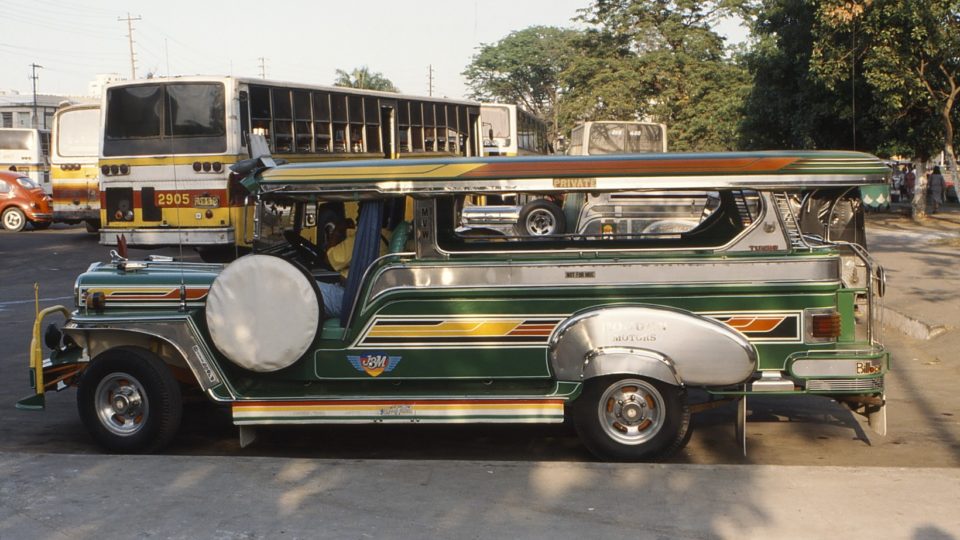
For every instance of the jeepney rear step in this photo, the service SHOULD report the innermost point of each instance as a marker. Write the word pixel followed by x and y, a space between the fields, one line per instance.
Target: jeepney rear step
pixel 772 381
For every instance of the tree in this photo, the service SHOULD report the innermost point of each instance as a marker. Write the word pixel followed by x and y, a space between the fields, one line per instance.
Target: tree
pixel 909 52
pixel 661 60
pixel 362 77
pixel 523 68
pixel 789 107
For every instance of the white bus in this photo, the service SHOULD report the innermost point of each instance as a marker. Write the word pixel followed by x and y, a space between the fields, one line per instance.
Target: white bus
pixel 509 130
pixel 27 151
pixel 74 169
pixel 617 137
pixel 167 145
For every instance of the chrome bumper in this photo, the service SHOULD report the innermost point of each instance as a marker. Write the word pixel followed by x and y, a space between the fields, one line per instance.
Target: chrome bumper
pixel 169 236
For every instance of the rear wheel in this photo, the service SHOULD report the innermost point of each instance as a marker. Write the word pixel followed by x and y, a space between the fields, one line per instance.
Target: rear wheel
pixel 631 418
pixel 13 219
pixel 129 401
pixel 541 218
pixel 92 225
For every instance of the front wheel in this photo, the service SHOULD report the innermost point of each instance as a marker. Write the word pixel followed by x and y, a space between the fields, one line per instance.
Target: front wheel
pixel 129 401
pixel 631 418
pixel 13 219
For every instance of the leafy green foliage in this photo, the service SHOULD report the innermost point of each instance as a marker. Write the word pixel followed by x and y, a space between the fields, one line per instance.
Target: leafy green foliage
pixel 663 61
pixel 909 56
pixel 362 77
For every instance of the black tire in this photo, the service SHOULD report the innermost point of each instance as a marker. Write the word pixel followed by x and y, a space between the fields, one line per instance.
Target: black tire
pixel 41 225
pixel 650 422
pixel 149 415
pixel 541 217
pixel 13 219
pixel 92 225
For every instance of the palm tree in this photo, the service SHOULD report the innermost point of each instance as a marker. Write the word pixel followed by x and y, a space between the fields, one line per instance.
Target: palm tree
pixel 362 77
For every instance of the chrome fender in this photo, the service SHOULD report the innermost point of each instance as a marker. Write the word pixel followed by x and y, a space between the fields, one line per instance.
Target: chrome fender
pixel 664 343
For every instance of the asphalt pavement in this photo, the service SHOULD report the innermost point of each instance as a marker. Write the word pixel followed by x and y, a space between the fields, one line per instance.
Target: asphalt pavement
pixel 813 470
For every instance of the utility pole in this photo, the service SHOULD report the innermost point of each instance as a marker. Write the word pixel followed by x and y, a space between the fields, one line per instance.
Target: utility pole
pixel 34 123
pixel 430 80
pixel 263 67
pixel 133 61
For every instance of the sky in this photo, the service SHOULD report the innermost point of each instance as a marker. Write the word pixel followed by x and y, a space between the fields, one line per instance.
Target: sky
pixel 299 41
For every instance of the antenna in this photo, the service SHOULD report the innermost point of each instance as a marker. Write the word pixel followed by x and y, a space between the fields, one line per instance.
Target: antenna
pixel 34 122
pixel 263 67
pixel 133 58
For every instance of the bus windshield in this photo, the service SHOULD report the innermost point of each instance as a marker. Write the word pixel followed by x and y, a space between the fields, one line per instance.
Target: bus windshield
pixel 77 133
pixel 165 118
pixel 496 122
pixel 16 139
pixel 626 138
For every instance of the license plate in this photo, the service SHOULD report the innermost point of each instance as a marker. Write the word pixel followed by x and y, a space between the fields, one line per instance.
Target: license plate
pixel 206 202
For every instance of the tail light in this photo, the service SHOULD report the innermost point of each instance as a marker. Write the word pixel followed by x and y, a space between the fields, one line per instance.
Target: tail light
pixel 823 325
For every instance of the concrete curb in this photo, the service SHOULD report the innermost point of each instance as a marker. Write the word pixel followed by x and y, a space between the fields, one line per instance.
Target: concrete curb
pixel 914 328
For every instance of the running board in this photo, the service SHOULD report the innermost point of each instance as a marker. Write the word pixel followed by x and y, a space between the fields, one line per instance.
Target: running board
pixel 427 411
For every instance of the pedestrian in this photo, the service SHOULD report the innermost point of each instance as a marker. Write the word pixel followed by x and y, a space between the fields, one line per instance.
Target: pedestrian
pixel 936 188
pixel 909 180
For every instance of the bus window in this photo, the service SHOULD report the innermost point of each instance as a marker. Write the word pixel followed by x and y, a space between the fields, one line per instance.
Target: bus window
pixel 321 125
pixel 416 125
pixel 282 121
pixel 403 126
pixel 355 104
pixel 134 113
pixel 302 132
pixel 260 113
pixel 339 109
pixel 372 115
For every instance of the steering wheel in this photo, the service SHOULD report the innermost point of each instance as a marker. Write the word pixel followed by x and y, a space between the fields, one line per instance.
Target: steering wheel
pixel 308 250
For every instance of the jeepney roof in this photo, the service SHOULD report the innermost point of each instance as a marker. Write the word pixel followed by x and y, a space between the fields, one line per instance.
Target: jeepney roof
pixel 624 172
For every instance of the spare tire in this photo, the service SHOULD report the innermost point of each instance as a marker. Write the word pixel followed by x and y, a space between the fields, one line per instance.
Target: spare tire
pixel 263 312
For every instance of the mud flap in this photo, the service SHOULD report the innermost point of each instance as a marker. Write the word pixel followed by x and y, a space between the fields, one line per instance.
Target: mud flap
pixel 741 426
pixel 247 435
pixel 35 402
pixel 877 417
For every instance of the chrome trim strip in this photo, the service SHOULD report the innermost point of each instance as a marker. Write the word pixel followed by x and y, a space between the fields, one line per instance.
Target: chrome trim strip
pixel 673 272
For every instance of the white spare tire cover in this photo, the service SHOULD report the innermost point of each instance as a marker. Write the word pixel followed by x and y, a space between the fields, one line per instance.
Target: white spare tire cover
pixel 263 312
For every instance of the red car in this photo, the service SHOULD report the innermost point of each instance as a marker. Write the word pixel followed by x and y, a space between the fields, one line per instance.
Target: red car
pixel 22 201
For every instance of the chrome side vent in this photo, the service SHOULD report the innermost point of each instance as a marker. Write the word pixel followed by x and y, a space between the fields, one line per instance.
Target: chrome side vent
pixel 840 385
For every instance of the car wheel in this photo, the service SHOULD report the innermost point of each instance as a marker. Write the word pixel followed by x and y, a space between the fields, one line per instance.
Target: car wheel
pixel 13 219
pixel 631 418
pixel 129 401
pixel 92 225
pixel 541 218
pixel 41 225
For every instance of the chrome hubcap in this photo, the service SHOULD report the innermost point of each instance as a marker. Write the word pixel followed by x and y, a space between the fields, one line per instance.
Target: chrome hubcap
pixel 631 411
pixel 12 220
pixel 120 402
pixel 541 223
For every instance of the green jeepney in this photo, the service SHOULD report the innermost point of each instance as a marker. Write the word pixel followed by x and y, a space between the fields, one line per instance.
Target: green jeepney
pixel 766 288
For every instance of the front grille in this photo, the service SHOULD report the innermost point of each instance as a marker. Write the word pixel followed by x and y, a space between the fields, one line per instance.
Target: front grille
pixel 841 385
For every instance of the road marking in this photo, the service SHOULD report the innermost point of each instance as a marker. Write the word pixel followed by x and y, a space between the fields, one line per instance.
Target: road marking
pixel 12 302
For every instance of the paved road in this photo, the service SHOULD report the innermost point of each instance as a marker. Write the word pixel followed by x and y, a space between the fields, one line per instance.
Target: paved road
pixel 392 481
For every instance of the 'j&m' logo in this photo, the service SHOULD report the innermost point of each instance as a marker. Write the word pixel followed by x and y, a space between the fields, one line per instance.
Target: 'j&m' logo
pixel 374 363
